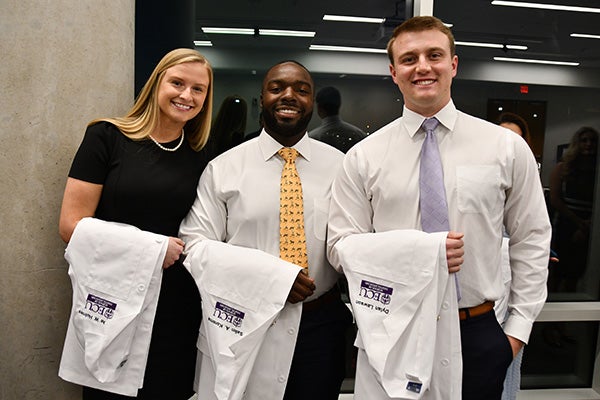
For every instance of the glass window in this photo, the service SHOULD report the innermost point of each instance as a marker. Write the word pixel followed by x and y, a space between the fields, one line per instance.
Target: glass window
pixel 560 355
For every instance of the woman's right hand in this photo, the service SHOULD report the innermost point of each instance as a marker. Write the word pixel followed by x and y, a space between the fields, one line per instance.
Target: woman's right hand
pixel 174 251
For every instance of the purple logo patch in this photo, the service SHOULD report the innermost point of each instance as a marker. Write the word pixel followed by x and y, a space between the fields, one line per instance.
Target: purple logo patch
pixel 100 306
pixel 375 291
pixel 228 314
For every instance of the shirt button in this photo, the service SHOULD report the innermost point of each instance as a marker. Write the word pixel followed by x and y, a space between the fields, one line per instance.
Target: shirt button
pixel 281 379
pixel 444 362
pixel 445 305
pixel 291 331
pixel 141 287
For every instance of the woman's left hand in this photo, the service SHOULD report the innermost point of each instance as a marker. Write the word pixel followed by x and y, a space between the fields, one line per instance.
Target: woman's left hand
pixel 173 251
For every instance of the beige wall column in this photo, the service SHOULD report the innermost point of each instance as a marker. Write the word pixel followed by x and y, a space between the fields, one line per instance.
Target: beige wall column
pixel 64 62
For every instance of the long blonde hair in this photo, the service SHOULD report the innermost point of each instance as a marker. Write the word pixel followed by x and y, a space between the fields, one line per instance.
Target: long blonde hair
pixel 573 152
pixel 142 118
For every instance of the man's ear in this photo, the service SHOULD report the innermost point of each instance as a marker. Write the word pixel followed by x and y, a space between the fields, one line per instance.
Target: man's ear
pixel 393 72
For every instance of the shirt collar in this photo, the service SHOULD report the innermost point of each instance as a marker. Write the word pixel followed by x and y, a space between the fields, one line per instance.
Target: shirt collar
pixel 413 121
pixel 269 146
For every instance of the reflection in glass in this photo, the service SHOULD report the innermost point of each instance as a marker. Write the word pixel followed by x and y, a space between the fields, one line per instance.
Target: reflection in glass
pixel 565 363
pixel 572 198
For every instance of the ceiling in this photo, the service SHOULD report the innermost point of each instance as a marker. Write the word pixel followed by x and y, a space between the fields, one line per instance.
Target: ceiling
pixel 545 33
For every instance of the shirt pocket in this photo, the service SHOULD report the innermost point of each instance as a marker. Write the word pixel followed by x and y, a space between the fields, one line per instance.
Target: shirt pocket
pixel 478 189
pixel 320 215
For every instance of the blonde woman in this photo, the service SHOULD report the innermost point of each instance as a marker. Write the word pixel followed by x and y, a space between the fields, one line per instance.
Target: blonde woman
pixel 142 170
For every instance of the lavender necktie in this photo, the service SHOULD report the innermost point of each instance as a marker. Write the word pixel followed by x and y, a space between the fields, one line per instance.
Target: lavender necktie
pixel 434 209
pixel 432 199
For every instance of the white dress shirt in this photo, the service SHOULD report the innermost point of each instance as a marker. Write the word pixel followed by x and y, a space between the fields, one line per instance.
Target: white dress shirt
pixel 238 203
pixel 490 178
pixel 116 272
pixel 238 200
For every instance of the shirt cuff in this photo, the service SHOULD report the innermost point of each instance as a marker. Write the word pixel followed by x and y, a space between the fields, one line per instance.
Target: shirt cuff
pixel 518 327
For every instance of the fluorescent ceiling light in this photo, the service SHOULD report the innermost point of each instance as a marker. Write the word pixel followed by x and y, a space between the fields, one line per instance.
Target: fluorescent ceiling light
pixel 585 35
pixel 545 6
pixel 251 31
pixel 280 32
pixel 344 48
pixel 490 45
pixel 229 31
pixel 530 61
pixel 345 18
pixel 202 43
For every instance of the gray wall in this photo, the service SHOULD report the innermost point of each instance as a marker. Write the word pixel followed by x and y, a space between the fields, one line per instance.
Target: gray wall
pixel 63 63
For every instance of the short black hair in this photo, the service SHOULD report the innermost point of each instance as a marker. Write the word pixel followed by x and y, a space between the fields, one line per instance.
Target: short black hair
pixel 312 84
pixel 330 99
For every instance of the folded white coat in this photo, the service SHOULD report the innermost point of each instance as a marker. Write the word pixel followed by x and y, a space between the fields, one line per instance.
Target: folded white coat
pixel 116 272
pixel 248 331
pixel 407 315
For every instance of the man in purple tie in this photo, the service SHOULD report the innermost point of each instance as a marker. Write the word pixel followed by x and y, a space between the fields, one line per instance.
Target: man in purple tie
pixel 486 179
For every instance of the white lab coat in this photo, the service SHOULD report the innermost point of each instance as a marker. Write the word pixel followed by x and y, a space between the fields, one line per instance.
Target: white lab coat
pixel 116 272
pixel 248 331
pixel 407 315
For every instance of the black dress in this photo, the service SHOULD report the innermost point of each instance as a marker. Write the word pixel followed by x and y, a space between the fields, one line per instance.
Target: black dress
pixel 153 190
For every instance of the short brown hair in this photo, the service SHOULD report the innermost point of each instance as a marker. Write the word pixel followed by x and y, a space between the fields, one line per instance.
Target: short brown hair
pixel 512 118
pixel 419 24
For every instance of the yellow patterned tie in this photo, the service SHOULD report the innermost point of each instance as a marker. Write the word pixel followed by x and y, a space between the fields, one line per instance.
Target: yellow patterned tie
pixel 292 241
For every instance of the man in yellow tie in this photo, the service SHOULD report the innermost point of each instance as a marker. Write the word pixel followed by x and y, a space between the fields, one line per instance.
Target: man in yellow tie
pixel 271 194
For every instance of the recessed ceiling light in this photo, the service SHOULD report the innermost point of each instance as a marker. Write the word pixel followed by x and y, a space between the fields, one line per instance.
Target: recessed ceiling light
pixel 531 61
pixel 346 18
pixel 490 45
pixel 545 6
pixel 585 35
pixel 202 43
pixel 345 48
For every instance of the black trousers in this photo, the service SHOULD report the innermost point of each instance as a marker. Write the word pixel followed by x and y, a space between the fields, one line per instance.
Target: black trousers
pixel 486 357
pixel 318 366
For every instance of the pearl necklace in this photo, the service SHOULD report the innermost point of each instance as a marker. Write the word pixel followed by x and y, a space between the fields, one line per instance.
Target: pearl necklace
pixel 166 148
